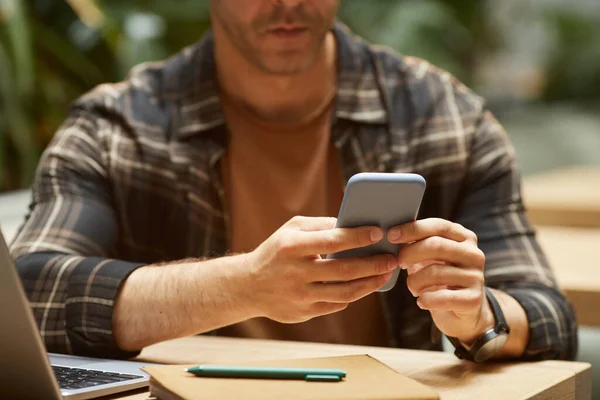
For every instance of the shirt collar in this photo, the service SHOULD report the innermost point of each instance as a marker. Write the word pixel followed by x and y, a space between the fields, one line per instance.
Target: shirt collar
pixel 189 81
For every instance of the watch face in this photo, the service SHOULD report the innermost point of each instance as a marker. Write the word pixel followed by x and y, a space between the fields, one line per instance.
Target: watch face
pixel 491 347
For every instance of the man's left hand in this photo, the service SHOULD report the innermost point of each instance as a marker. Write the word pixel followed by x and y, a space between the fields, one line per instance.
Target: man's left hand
pixel 445 273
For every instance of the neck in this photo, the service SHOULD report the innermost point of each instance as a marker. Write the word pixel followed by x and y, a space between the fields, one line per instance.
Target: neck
pixel 281 99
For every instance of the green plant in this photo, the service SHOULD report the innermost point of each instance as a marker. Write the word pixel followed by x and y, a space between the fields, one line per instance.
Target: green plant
pixel 51 53
pixel 16 91
pixel 573 69
pixel 450 34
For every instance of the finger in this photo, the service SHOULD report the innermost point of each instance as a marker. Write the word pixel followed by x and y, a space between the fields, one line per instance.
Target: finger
pixel 414 268
pixel 419 230
pixel 335 240
pixel 311 223
pixel 347 292
pixel 462 301
pixel 439 248
pixel 349 269
pixel 436 276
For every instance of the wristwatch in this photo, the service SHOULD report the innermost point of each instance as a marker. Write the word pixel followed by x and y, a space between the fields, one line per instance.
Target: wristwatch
pixel 490 342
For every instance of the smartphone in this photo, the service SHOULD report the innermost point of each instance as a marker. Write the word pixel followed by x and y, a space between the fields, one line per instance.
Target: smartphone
pixel 379 199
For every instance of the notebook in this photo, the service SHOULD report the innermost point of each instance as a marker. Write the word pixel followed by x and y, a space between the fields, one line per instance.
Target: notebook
pixel 366 379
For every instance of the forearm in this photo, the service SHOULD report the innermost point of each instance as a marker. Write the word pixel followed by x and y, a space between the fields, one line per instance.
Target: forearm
pixel 158 303
pixel 551 321
pixel 71 298
pixel 518 323
pixel 542 321
pixel 530 325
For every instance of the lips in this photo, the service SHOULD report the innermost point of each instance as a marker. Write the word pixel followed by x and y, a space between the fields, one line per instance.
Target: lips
pixel 287 31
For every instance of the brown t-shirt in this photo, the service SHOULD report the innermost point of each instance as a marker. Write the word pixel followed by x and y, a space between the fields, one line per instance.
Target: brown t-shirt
pixel 271 173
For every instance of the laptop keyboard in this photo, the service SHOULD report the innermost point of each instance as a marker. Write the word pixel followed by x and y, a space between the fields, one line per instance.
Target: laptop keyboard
pixel 79 378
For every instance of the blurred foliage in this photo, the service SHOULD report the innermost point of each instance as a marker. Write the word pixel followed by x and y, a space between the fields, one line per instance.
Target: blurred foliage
pixel 448 33
pixel 53 51
pixel 573 70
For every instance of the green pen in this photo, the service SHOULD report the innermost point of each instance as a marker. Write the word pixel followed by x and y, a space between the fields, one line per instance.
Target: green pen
pixel 305 374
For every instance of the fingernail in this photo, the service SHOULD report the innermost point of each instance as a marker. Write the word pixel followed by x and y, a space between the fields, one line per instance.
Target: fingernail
pixel 376 235
pixel 401 265
pixel 394 234
pixel 392 264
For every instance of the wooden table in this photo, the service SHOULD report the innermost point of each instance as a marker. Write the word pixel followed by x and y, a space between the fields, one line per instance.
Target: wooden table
pixel 567 197
pixel 574 254
pixel 450 377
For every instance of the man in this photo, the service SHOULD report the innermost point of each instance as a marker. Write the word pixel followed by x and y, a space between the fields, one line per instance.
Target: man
pixel 194 196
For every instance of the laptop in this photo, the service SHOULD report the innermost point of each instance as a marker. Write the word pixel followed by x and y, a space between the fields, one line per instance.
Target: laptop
pixel 28 372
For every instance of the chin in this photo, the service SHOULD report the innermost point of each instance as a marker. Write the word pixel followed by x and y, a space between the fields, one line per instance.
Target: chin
pixel 285 71
pixel 288 65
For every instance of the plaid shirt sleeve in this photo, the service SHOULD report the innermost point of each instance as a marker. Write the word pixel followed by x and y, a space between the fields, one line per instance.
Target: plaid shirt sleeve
pixel 63 250
pixel 492 207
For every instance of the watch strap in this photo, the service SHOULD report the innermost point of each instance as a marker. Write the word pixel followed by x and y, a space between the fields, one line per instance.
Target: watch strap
pixel 460 351
pixel 501 324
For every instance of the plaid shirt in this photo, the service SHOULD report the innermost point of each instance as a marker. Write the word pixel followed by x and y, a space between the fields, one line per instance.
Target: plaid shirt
pixel 133 178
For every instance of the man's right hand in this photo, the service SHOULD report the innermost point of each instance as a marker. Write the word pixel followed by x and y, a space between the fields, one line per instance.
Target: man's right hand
pixel 290 282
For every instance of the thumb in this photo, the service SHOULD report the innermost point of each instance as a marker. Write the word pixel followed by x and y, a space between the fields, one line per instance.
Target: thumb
pixel 310 224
